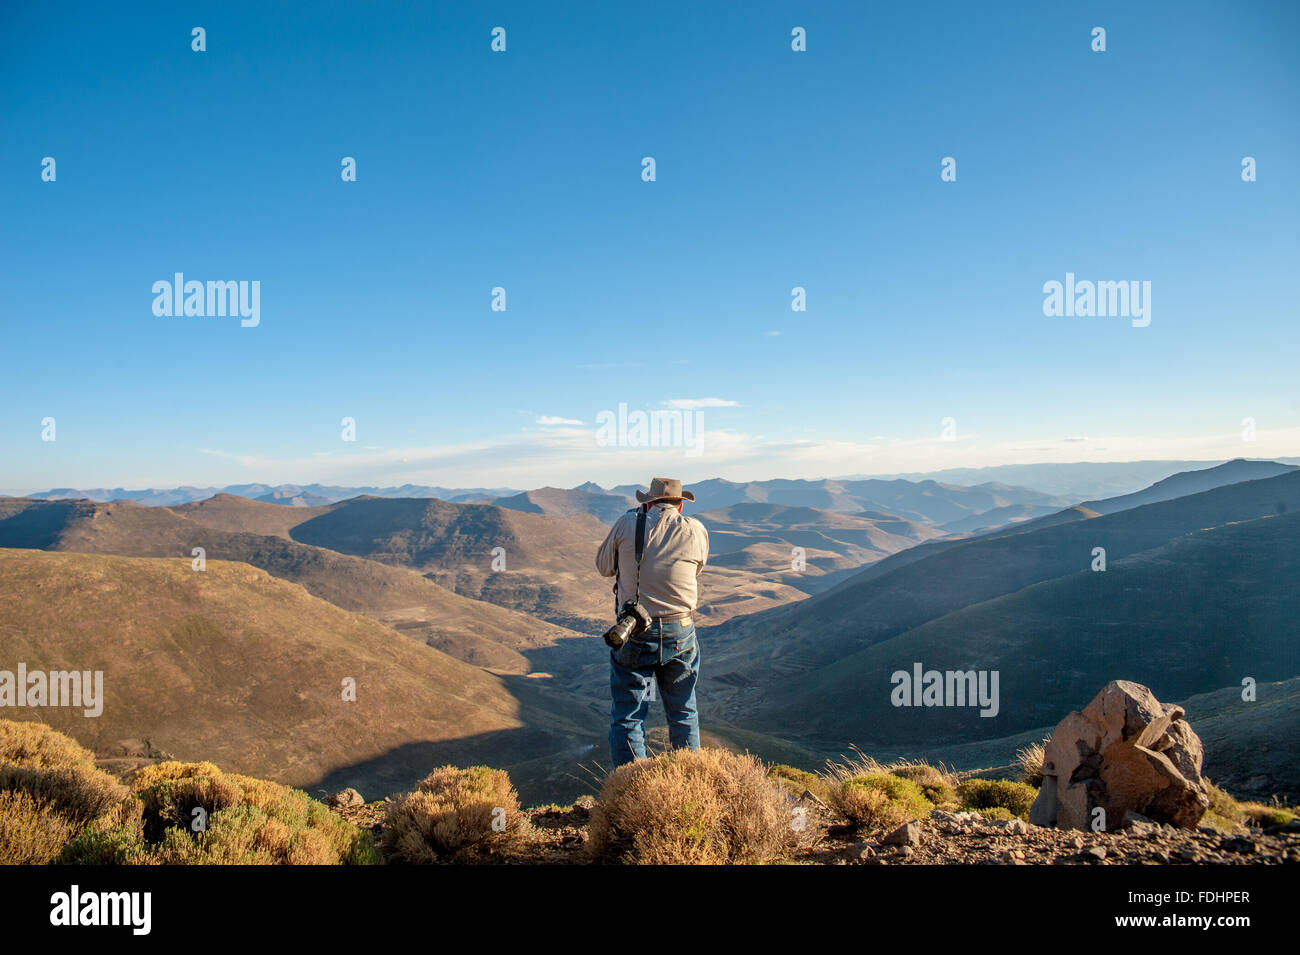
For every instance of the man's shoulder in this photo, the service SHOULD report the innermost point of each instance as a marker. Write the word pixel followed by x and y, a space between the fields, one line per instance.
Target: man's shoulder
pixel 695 524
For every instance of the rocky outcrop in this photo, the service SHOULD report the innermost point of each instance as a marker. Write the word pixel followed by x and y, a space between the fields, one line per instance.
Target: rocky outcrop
pixel 347 798
pixel 1125 752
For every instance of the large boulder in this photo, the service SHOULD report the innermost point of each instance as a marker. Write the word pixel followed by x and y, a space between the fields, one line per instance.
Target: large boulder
pixel 1125 752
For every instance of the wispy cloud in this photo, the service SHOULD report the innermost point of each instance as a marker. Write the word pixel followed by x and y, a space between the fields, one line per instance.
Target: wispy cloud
pixel 568 454
pixel 547 420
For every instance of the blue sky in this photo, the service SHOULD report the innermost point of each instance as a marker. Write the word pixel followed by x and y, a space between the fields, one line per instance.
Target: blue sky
pixel 522 169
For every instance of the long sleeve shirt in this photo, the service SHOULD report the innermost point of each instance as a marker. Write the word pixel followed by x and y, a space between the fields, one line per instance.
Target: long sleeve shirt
pixel 676 550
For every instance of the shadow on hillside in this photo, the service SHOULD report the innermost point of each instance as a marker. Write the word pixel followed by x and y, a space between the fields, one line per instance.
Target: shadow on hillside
pixel 541 765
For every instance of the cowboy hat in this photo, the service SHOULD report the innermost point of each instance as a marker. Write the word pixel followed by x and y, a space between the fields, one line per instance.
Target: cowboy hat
pixel 664 489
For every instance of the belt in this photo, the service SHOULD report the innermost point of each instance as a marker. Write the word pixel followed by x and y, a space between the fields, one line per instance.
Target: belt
pixel 673 617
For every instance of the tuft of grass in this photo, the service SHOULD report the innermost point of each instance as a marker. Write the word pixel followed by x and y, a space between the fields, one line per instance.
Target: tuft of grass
pixel 997 813
pixel 1030 760
pixel 456 815
pixel 1260 815
pixel 707 807
pixel 980 794
pixel 1224 814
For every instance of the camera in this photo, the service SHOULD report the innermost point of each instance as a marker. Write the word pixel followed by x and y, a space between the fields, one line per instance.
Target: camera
pixel 632 620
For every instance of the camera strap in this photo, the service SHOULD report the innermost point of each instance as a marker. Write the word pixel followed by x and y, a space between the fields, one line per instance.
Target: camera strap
pixel 639 546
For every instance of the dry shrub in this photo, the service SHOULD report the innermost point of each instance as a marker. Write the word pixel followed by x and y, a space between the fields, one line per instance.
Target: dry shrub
pixel 450 816
pixel 698 808
pixel 56 806
pixel 37 746
pixel 51 794
pixel 32 832
pixel 85 797
pixel 1030 759
pixel 980 794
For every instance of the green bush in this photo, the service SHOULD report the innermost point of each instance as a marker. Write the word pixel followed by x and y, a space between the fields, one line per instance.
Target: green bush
pixel 936 785
pixel 977 794
pixel 878 800
pixel 249 821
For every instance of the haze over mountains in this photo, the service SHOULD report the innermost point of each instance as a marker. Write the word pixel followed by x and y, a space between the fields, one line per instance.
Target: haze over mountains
pixel 1073 481
pixel 815 594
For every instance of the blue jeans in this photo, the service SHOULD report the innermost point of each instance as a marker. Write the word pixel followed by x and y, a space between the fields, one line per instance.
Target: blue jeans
pixel 667 656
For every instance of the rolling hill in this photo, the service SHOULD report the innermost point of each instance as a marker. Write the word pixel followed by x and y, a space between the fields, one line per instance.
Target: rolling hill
pixel 475 631
pixel 926 502
pixel 236 666
pixel 1186 617
pixel 606 508
pixel 906 590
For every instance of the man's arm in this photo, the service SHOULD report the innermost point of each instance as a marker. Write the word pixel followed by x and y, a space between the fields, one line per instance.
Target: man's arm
pixel 608 551
pixel 704 546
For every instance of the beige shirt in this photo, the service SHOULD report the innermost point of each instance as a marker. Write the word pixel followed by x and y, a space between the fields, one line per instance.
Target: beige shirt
pixel 676 550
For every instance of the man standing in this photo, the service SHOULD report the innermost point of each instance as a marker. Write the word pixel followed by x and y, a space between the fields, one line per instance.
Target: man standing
pixel 663 582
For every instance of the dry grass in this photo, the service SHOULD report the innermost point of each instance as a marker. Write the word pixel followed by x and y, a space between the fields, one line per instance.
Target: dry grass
pixel 455 815
pixel 1262 815
pixel 1224 813
pixel 707 807
pixel 1030 759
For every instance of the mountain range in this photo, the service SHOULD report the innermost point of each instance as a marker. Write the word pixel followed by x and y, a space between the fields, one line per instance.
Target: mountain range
pixel 474 622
